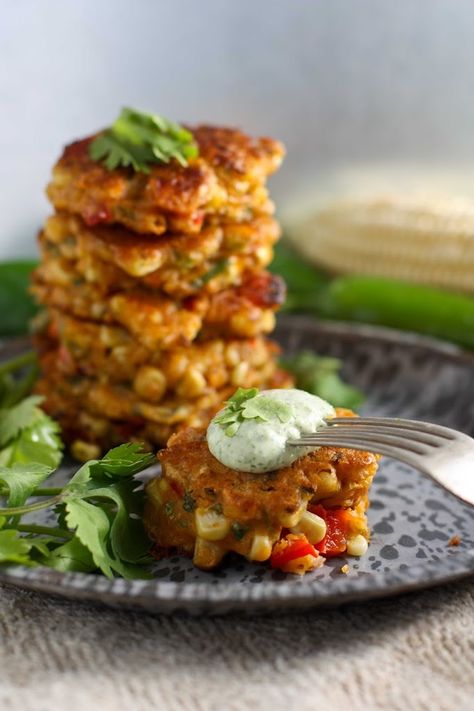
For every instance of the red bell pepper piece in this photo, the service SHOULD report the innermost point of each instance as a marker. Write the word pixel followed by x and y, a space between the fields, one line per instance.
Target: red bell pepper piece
pixel 335 541
pixel 290 548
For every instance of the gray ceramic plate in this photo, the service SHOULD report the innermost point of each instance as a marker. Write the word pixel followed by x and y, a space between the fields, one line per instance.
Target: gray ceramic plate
pixel 412 520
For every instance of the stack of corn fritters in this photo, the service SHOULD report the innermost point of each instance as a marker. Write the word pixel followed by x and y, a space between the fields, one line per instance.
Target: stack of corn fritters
pixel 155 290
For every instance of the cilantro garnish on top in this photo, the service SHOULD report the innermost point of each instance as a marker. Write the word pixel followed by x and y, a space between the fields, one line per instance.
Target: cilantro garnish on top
pixel 247 404
pixel 137 139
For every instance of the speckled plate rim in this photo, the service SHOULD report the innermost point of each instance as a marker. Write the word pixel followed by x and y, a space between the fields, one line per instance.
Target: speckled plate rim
pixel 219 598
pixel 200 598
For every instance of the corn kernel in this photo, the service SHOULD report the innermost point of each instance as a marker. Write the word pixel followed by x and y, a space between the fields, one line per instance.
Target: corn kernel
pixel 239 374
pixel 121 354
pixel 261 548
pixel 207 554
pixel 95 425
pixel 290 520
pixel 192 384
pixel 150 383
pixel 210 525
pixel 242 325
pixel 264 255
pixel 313 527
pixel 232 355
pixel 154 492
pixel 163 415
pixel 267 322
pixel 328 483
pixel 111 337
pixel 357 545
pixel 83 451
pixel 174 366
pixel 300 566
pixel 98 311
pixel 54 228
pixel 164 487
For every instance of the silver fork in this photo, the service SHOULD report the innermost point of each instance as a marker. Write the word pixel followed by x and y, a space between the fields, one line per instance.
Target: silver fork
pixel 446 455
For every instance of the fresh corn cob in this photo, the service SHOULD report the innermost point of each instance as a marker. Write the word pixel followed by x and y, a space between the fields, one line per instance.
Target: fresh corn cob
pixel 420 240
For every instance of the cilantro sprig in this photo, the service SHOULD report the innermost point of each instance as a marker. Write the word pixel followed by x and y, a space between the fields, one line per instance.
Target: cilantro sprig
pixel 98 515
pixel 138 139
pixel 320 375
pixel 27 434
pixel 98 512
pixel 17 376
pixel 248 404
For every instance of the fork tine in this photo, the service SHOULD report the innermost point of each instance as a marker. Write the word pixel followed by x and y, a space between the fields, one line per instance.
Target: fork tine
pixel 408 456
pixel 373 430
pixel 414 425
pixel 446 455
pixel 338 439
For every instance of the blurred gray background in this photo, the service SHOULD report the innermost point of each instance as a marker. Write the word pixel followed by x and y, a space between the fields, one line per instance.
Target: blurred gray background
pixel 341 82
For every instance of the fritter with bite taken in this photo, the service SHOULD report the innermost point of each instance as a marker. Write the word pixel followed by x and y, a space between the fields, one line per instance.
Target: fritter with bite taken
pixel 201 508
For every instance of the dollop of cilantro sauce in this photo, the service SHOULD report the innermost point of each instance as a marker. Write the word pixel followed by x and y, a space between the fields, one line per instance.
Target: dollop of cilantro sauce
pixel 251 433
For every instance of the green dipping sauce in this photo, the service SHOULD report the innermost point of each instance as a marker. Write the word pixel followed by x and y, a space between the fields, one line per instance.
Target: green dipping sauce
pixel 260 445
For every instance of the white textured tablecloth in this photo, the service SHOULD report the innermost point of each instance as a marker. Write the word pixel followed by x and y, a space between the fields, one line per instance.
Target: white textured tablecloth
pixel 414 652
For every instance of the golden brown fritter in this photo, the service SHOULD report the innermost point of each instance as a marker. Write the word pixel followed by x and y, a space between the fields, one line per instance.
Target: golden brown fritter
pixel 75 347
pixel 188 464
pixel 157 321
pixel 179 265
pixel 226 180
pixel 155 289
pixel 119 402
pixel 102 414
pixel 250 510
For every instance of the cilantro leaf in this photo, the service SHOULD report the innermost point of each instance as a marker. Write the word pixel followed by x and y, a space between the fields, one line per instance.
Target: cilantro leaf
pixel 241 395
pixel 99 511
pixel 266 409
pixel 71 556
pixel 231 430
pixel 118 154
pixel 128 537
pixel 17 306
pixel 39 443
pixel 17 376
pixel 331 388
pixel 14 548
pixel 123 461
pixel 27 434
pixel 16 418
pixel 22 479
pixel 230 418
pixel 319 375
pixel 39 546
pixel 137 139
pixel 227 417
pixel 247 404
pixel 120 539
pixel 91 526
pixel 128 541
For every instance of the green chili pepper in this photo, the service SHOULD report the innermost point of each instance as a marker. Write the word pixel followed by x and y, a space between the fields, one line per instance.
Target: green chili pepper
pixel 304 282
pixel 16 305
pixel 396 304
